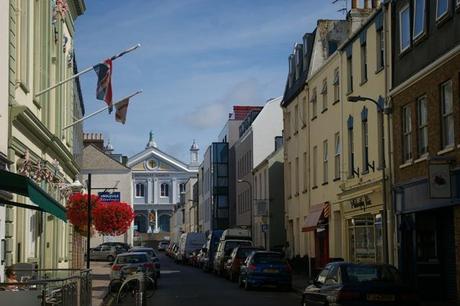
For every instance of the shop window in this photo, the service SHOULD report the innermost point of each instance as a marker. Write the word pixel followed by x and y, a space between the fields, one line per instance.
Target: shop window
pixel 140 190
pixel 447 114
pixel 422 121
pixel 419 18
pixel 365 238
pixel 404 28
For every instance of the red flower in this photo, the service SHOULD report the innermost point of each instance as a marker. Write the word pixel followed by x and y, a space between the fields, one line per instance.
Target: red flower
pixel 77 211
pixel 113 218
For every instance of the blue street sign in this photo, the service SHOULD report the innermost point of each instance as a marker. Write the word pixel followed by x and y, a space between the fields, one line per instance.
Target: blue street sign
pixel 109 196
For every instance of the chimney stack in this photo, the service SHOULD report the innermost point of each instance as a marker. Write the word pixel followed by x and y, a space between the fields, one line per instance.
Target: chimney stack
pixel 354 4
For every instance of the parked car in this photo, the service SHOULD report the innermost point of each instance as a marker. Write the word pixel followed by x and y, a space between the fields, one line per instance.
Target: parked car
pixel 128 263
pixel 230 239
pixel 263 268
pixel 237 257
pixel 104 252
pixel 188 243
pixel 163 245
pixel 152 254
pixel 359 284
pixel 212 242
pixel 121 245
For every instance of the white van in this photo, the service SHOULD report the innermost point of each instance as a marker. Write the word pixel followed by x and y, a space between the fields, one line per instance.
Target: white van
pixel 188 243
pixel 230 239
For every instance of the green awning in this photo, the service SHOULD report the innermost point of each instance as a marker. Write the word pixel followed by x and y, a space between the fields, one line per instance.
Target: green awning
pixel 19 184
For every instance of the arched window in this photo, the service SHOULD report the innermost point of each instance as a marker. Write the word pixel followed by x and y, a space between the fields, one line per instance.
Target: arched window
pixel 140 190
pixel 164 223
pixel 164 190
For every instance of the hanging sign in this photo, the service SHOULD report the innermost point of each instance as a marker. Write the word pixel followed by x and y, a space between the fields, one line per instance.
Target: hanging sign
pixel 109 196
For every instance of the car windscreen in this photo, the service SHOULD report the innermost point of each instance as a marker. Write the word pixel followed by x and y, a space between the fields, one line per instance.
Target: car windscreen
pixel 268 259
pixel 244 252
pixel 230 245
pixel 151 253
pixel 132 259
pixel 365 273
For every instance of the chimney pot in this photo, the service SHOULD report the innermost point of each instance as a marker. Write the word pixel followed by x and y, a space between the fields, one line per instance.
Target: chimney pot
pixel 354 4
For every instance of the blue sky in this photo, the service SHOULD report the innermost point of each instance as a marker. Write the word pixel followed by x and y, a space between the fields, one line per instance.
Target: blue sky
pixel 198 58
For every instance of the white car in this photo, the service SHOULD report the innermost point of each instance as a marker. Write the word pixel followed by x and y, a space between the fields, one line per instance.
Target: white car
pixel 128 263
pixel 163 245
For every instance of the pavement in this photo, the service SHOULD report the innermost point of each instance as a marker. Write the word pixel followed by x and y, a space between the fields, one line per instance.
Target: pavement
pixel 100 274
pixel 185 285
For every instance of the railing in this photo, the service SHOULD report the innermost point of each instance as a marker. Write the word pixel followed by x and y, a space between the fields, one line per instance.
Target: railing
pixel 46 287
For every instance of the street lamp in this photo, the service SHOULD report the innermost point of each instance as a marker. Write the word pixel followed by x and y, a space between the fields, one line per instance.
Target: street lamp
pixel 380 103
pixel 250 192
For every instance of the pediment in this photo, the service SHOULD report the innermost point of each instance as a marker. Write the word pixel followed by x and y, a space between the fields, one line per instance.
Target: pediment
pixel 155 160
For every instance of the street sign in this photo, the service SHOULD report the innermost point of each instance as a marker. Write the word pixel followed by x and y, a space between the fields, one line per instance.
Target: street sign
pixel 109 196
pixel 264 227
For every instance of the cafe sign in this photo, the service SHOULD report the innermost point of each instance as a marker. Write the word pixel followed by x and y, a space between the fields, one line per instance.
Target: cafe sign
pixel 360 202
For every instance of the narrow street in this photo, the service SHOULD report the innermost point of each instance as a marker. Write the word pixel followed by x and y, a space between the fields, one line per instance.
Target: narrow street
pixel 185 285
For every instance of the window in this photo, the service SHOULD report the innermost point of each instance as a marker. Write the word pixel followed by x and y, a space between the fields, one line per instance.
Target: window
pixel 315 165
pixel 324 94
pixel 305 111
pixel 23 43
pixel 365 132
pixel 182 187
pixel 325 160
pixel 289 180
pixel 291 69
pixel 407 133
pixel 313 104
pixel 305 171
pixel 351 151
pixel 404 28
pixel 350 73
pixel 363 63
pixel 140 190
pixel 380 50
pixel 164 190
pixel 337 156
pixel 447 114
pixel 336 85
pixel 297 183
pixel 419 18
pixel 422 121
pixel 442 8
pixel 296 118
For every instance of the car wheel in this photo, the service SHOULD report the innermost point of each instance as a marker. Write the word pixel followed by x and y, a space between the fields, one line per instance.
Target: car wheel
pixel 110 258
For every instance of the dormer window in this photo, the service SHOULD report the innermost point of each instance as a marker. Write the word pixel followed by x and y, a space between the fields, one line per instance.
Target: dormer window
pixel 291 70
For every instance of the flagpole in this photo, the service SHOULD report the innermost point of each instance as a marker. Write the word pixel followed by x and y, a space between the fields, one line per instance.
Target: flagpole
pixel 84 71
pixel 100 110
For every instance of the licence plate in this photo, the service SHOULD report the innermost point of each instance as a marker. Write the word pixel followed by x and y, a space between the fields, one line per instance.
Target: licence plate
pixel 131 270
pixel 271 271
pixel 381 297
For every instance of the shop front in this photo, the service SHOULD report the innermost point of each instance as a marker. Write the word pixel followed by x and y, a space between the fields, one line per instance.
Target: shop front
pixel 363 227
pixel 428 223
pixel 317 222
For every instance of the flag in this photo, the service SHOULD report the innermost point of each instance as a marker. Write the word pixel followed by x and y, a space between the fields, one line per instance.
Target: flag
pixel 104 82
pixel 121 110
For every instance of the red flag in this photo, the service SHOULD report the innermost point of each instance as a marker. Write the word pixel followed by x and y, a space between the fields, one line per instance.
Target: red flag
pixel 121 111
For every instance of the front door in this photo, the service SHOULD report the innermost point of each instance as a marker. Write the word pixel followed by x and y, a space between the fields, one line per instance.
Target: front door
pixel 322 247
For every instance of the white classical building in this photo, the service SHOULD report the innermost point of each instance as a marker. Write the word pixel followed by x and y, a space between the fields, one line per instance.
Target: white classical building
pixel 158 181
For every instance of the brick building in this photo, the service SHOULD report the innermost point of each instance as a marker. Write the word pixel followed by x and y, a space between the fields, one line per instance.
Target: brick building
pixel 426 141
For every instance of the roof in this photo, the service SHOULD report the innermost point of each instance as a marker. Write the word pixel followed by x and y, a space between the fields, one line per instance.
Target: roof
pixel 96 159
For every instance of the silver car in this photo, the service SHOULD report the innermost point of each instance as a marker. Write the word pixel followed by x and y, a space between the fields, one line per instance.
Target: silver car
pixel 104 252
pixel 153 256
pixel 128 263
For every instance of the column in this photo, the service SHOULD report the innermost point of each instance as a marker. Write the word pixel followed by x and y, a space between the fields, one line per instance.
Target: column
pixel 157 193
pixel 156 221
pixel 174 191
pixel 149 191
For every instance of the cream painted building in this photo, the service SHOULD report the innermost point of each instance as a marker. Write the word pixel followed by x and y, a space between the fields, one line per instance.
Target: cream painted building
pixel 364 73
pixel 40 54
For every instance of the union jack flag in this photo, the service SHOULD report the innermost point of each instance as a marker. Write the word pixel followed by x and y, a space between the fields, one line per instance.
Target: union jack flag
pixel 104 82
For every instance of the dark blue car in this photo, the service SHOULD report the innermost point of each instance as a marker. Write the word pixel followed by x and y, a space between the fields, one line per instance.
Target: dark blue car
pixel 263 268
pixel 211 248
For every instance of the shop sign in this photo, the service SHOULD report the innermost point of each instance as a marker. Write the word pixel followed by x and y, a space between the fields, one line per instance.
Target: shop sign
pixel 440 184
pixel 360 202
pixel 109 196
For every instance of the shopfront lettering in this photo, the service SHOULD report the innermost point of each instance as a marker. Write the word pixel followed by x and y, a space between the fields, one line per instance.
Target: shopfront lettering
pixel 360 202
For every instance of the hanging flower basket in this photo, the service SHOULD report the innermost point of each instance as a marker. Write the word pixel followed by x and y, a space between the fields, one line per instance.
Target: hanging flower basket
pixel 77 211
pixel 113 218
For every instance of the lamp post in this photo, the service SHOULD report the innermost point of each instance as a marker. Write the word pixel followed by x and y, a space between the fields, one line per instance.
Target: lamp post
pixel 250 192
pixel 380 103
pixel 88 235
